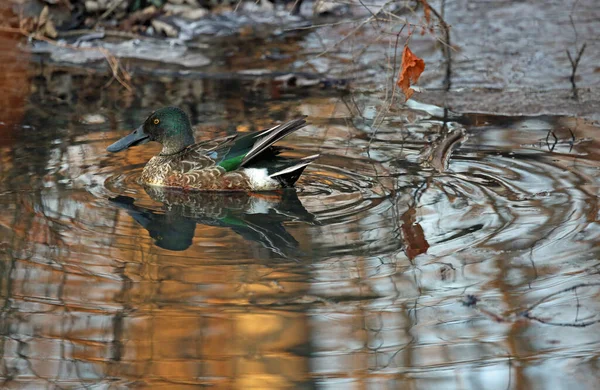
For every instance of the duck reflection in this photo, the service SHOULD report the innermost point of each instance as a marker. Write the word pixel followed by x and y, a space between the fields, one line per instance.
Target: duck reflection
pixel 255 217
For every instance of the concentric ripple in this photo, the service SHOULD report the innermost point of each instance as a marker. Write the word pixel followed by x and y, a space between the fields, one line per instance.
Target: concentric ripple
pixel 526 206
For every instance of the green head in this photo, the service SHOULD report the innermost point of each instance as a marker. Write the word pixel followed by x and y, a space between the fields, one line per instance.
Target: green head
pixel 169 125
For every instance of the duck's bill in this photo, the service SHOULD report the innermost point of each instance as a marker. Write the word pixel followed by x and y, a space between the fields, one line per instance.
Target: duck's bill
pixel 137 137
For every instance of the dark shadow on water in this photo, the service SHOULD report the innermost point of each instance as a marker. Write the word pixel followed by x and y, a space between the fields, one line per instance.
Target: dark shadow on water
pixel 256 217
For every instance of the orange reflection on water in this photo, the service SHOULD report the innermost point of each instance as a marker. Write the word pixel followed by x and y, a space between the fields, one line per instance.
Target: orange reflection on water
pixel 14 83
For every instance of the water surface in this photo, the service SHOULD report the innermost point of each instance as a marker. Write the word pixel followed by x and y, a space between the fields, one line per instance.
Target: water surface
pixel 386 268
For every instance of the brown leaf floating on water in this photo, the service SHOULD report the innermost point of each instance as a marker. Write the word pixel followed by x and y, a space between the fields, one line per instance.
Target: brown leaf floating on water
pixel 413 234
pixel 412 67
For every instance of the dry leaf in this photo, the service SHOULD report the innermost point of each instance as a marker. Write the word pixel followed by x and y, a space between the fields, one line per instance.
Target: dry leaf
pixel 43 17
pixel 427 11
pixel 165 28
pixel 50 30
pixel 412 67
pixel 413 234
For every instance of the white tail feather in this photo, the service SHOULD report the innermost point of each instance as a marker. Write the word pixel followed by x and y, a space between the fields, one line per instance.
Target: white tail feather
pixel 302 163
pixel 273 135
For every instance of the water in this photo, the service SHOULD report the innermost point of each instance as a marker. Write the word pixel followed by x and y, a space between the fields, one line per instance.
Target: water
pixel 386 268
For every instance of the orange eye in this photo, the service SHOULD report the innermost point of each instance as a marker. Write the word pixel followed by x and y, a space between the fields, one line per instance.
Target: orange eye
pixel 156 121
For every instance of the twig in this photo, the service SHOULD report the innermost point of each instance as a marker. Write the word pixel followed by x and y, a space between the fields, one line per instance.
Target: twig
pixel 110 10
pixel 564 324
pixel 353 32
pixel 551 148
pixel 316 26
pixel 108 33
pixel 383 113
pixel 572 139
pixel 446 44
pixel 296 7
pixel 574 65
pixel 237 5
pixel 371 12
pixel 527 313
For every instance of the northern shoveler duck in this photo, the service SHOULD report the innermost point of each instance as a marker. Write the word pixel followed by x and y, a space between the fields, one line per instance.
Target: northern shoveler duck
pixel 242 162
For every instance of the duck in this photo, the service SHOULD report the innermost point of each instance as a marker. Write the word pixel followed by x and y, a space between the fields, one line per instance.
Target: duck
pixel 240 162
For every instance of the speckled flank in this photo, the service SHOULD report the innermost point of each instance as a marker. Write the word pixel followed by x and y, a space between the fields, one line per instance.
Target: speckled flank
pixel 200 174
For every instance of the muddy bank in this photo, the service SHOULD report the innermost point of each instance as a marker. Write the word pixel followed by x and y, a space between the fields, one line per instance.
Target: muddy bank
pixel 506 58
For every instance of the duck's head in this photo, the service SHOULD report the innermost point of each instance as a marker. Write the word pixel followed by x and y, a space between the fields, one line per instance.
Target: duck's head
pixel 169 125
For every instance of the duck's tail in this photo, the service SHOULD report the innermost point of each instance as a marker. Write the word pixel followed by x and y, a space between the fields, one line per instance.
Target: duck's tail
pixel 256 150
pixel 266 138
pixel 290 174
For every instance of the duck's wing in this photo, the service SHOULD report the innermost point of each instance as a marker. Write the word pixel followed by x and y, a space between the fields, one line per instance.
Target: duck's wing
pixel 247 148
pixel 236 151
pixel 213 144
pixel 199 156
